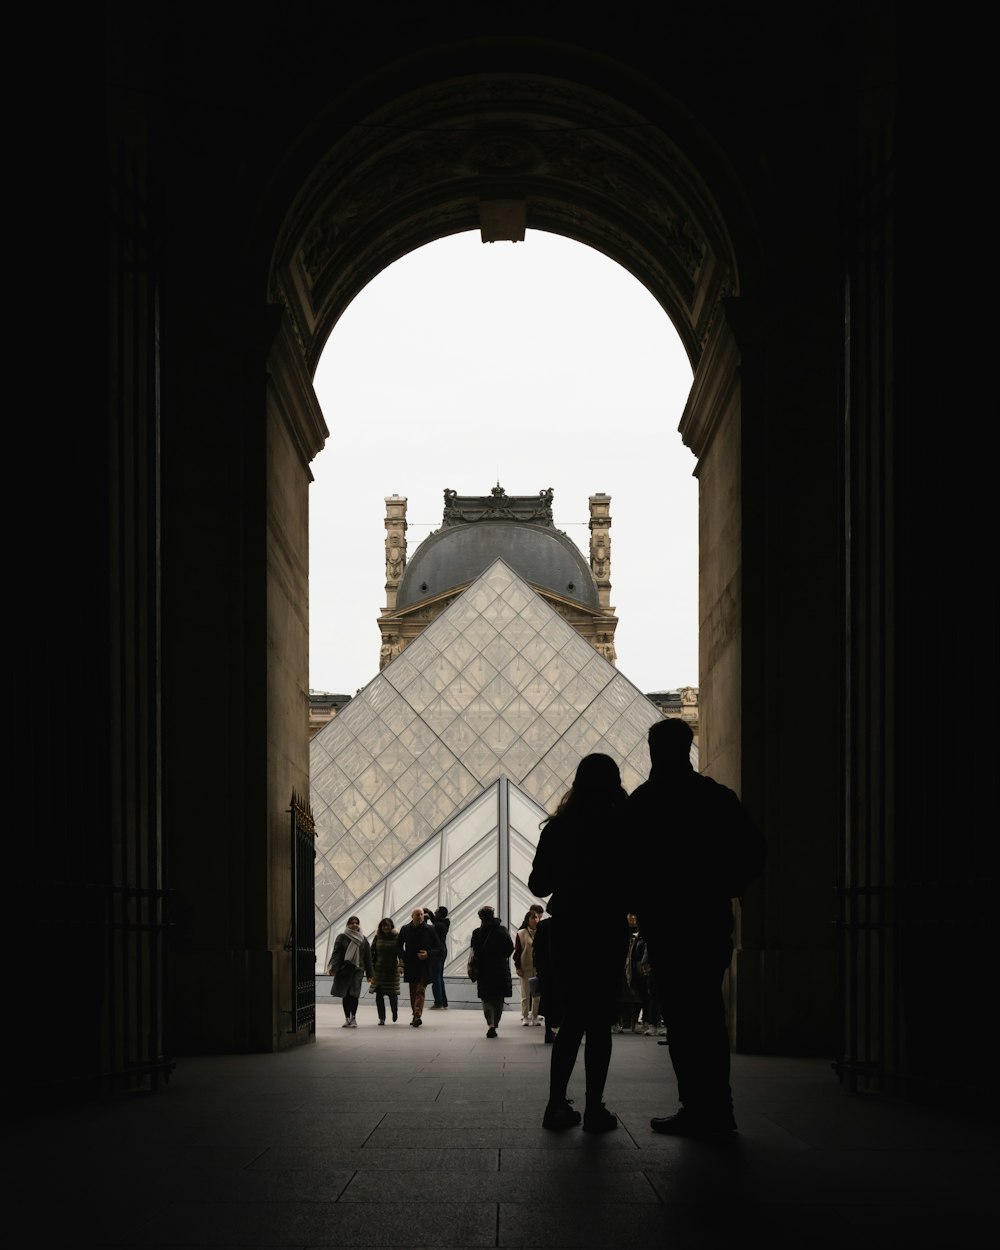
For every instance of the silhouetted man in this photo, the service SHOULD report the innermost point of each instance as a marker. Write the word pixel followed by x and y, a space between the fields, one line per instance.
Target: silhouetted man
pixel 700 850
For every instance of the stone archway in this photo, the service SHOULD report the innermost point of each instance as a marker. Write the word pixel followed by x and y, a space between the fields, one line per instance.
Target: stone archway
pixel 545 154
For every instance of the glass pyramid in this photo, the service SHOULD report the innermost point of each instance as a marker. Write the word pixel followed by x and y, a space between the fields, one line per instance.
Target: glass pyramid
pixel 430 785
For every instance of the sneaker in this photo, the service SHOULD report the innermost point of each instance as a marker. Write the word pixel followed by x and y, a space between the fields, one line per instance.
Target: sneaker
pixel 616 1028
pixel 535 1021
pixel 599 1120
pixel 560 1115
pixel 684 1124
pixel 352 1023
pixel 491 1032
pixel 525 1021
pixel 416 1022
pixel 346 1024
pixel 435 1007
pixel 649 1031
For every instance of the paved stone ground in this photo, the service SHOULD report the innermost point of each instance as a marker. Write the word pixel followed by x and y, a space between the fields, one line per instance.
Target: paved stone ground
pixel 399 1137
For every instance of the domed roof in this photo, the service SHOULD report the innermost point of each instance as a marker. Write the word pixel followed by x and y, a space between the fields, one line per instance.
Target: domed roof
pixel 458 553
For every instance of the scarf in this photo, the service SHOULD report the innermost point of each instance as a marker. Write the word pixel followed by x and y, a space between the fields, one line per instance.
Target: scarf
pixel 352 953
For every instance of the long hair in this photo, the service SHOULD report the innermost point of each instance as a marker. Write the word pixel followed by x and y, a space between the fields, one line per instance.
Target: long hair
pixel 597 783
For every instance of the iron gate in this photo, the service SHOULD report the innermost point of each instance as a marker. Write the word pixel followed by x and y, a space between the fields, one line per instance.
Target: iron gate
pixel 303 1013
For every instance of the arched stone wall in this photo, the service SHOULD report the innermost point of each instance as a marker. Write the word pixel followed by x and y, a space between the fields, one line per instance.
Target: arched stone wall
pixel 582 164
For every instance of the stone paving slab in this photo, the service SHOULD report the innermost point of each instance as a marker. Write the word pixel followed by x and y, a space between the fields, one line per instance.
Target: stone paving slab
pixel 432 1137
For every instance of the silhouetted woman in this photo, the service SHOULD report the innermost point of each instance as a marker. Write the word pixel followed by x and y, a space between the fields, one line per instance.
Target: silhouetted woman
pixel 581 970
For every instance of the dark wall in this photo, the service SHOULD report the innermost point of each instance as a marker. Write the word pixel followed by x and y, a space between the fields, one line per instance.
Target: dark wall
pixel 842 168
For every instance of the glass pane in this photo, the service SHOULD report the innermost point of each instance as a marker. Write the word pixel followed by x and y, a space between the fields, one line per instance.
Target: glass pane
pixel 518 633
pixel 522 852
pixel 440 672
pixel 372 782
pixel 479 714
pixel 439 715
pixel 498 693
pixel 459 736
pixel 421 653
pixel 441 632
pixel 560 714
pixel 392 805
pixel 470 826
pixel 499 652
pixel 418 875
pixel 519 759
pixel 379 695
pixel 400 673
pixel 376 736
pixel 412 830
pixel 389 852
pixel 469 874
pixel 524 816
pixel 369 830
pixel 481 762
pixel 420 694
pixel 395 759
pixel 340 862
pixel 330 783
pixel 498 577
pixel 519 714
pixel 460 652
pixel 480 596
pixel 538 693
pixel 597 672
pixel 499 736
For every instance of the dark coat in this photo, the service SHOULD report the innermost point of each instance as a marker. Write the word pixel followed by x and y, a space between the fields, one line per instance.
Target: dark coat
pixel 414 938
pixel 580 948
pixel 493 944
pixel 701 849
pixel 385 959
pixel 347 977
pixel 442 925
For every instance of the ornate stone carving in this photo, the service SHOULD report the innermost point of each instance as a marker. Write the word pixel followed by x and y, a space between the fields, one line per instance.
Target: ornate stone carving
pixel 416 169
pixel 463 509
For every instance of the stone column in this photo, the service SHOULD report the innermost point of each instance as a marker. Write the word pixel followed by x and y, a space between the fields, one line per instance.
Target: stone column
pixel 395 546
pixel 600 546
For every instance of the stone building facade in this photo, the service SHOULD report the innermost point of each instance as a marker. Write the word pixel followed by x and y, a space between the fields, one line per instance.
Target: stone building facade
pixel 477 528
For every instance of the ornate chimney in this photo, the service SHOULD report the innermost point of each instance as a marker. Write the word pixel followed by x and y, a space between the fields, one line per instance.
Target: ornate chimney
pixel 395 546
pixel 600 547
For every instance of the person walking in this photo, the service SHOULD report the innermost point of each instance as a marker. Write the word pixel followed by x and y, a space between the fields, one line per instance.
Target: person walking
pixel 492 948
pixel 707 851
pixel 632 984
pixel 416 944
pixel 350 961
pixel 524 966
pixel 386 962
pixel 584 950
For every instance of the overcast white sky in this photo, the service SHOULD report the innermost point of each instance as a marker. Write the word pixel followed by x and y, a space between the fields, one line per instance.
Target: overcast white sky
pixel 537 364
